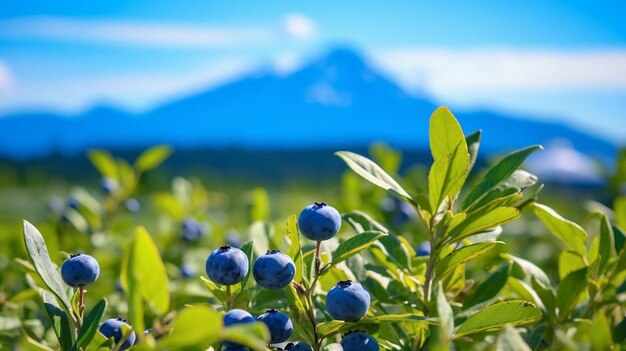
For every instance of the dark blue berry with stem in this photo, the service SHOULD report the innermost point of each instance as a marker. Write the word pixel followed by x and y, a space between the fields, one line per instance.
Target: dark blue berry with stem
pixel 112 328
pixel 359 341
pixel 227 265
pixel 347 301
pixel 80 270
pixel 274 270
pixel 279 325
pixel 319 221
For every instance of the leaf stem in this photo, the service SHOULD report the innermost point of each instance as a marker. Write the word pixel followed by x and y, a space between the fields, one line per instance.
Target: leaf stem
pixel 81 301
pixel 228 298
pixel 309 296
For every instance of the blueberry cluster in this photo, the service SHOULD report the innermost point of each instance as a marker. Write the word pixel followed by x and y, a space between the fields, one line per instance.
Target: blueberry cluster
pixel 346 301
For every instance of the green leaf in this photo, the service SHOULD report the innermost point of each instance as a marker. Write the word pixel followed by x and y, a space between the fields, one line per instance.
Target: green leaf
pixel 451 157
pixel 60 321
pixel 497 174
pixel 489 288
pixel 215 289
pixel 607 243
pixel 247 249
pixel 371 172
pixel 620 208
pixel 253 335
pixel 531 270
pixel 104 162
pixel 570 233
pixel 362 222
pixel 326 329
pixel 473 144
pixel 295 248
pixel 480 222
pixel 570 261
pixel 38 254
pixel 145 278
pixel 152 157
pixel 445 315
pixel 520 179
pixel 462 255
pixel 569 290
pixel 198 326
pixel 90 325
pixel 510 340
pixel 355 245
pixel 498 316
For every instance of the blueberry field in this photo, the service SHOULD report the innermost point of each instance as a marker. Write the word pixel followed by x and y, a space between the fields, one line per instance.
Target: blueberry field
pixel 464 253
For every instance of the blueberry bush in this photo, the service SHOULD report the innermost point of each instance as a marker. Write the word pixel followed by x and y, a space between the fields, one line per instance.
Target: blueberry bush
pixel 415 262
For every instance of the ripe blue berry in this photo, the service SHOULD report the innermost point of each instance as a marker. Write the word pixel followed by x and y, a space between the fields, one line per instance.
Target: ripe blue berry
pixel 319 221
pixel 112 328
pixel 423 249
pixel 298 346
pixel 80 270
pixel 347 301
pixel 279 325
pixel 359 341
pixel 274 270
pixel 192 229
pixel 236 316
pixel 227 265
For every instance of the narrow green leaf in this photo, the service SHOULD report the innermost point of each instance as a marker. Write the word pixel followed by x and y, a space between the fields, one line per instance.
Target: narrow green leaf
pixel 104 162
pixel 462 255
pixel 531 270
pixel 620 209
pixel 90 325
pixel 247 249
pixel 499 315
pixel 489 288
pixel 38 254
pixel 60 321
pixel 355 245
pixel 569 290
pixel 480 222
pixel 473 145
pixel 214 288
pixel 253 335
pixel 570 261
pixel 445 315
pixel 295 248
pixel 445 133
pixel 362 222
pixel 520 179
pixel 497 174
pixel 570 233
pixel 326 329
pixel 607 243
pixel 152 157
pixel 371 172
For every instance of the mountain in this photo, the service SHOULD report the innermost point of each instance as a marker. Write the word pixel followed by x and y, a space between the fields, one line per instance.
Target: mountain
pixel 337 100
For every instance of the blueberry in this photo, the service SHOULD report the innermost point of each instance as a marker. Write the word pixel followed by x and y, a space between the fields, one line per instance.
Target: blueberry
pixel 80 270
pixel 108 185
pixel 132 205
pixel 398 212
pixel 236 316
pixel 347 301
pixel 319 221
pixel 192 229
pixel 227 265
pixel 279 325
pixel 359 341
pixel 236 348
pixel 112 328
pixel 274 270
pixel 188 270
pixel 423 249
pixel 298 346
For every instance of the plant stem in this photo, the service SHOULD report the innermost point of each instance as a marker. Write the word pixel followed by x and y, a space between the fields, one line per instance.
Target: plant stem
pixel 309 296
pixel 432 261
pixel 228 298
pixel 81 301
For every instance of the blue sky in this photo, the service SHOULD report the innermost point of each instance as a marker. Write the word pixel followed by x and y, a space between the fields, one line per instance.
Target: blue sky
pixel 563 60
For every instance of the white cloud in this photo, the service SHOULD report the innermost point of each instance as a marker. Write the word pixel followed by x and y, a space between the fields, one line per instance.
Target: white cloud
pixel 438 70
pixel 6 79
pixel 127 32
pixel 298 26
